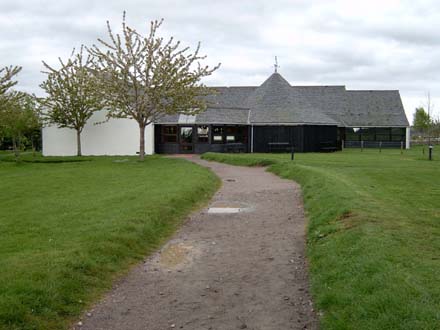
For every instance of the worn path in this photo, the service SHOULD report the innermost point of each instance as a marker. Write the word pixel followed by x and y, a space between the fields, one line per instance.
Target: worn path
pixel 243 270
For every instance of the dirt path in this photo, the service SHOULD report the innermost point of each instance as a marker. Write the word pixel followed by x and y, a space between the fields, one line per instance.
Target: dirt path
pixel 241 270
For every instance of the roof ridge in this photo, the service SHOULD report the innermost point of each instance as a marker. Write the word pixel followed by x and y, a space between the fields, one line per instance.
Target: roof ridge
pixel 234 108
pixel 372 90
pixel 232 86
pixel 318 86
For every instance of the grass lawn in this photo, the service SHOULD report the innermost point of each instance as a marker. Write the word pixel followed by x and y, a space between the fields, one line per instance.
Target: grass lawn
pixel 373 234
pixel 68 228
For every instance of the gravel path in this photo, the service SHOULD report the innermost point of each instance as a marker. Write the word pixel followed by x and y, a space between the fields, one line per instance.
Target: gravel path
pixel 243 270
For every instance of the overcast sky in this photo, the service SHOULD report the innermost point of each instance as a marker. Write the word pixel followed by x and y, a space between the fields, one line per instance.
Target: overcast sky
pixel 386 44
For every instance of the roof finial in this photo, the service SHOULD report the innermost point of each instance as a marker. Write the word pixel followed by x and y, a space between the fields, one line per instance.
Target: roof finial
pixel 276 66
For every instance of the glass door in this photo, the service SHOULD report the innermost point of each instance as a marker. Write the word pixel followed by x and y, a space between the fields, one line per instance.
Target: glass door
pixel 186 139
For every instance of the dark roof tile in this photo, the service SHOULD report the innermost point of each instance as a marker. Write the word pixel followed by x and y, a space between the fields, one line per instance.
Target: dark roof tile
pixel 276 101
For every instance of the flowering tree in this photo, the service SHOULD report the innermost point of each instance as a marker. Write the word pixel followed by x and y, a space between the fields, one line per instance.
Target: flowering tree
pixel 6 82
pixel 19 118
pixel 145 77
pixel 72 94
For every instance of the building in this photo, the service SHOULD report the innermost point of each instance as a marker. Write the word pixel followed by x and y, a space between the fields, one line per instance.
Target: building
pixel 268 118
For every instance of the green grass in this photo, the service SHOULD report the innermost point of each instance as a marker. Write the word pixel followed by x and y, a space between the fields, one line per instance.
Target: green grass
pixel 373 234
pixel 68 229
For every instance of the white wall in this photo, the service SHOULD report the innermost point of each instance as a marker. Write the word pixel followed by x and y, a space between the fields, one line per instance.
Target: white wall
pixel 115 137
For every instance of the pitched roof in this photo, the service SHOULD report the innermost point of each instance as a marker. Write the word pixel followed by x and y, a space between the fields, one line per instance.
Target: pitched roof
pixel 276 101
pixel 375 108
pixel 223 116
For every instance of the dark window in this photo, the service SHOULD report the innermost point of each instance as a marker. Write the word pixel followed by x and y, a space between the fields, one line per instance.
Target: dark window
pixel 367 134
pixel 398 134
pixel 203 134
pixel 236 134
pixel 383 137
pixel 352 134
pixel 383 130
pixel 229 134
pixel 383 134
pixel 398 131
pixel 169 134
pixel 217 134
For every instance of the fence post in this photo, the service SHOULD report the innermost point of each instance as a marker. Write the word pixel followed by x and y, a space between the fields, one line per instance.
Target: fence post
pixel 430 152
pixel 342 145
pixel 401 147
pixel 362 145
pixel 292 153
pixel 380 146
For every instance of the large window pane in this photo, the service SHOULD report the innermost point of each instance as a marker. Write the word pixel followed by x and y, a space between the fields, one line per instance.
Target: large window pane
pixel 352 134
pixel 203 134
pixel 398 138
pixel 236 134
pixel 169 134
pixel 367 134
pixel 229 134
pixel 383 137
pixel 383 130
pixel 186 134
pixel 398 134
pixel 217 134
pixel 398 131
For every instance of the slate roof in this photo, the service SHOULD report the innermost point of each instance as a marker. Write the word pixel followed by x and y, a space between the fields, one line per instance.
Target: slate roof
pixel 223 116
pixel 277 102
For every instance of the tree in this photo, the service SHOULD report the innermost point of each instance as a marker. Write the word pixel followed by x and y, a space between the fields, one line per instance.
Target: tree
pixel 18 118
pixel 7 97
pixel 72 94
pixel 422 120
pixel 146 77
pixel 435 129
pixel 6 81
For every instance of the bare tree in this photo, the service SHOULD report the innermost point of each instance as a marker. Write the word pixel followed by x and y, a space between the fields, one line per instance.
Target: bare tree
pixel 429 109
pixel 72 94
pixel 145 77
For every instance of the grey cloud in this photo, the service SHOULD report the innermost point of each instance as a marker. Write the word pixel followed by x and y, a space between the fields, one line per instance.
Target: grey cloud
pixel 317 42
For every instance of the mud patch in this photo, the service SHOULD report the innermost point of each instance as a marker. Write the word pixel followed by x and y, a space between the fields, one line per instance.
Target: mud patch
pixel 177 255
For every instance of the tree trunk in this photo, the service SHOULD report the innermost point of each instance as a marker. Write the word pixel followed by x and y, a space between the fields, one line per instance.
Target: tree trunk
pixel 142 141
pixel 78 142
pixel 33 146
pixel 15 141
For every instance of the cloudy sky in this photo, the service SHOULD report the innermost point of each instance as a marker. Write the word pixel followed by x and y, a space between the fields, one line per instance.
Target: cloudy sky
pixel 386 44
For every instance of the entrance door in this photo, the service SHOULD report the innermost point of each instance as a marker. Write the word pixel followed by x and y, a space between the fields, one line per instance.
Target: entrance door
pixel 186 139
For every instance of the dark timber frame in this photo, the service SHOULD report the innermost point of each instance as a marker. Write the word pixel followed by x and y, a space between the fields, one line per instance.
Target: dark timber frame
pixel 218 138
pixel 246 138
pixel 373 137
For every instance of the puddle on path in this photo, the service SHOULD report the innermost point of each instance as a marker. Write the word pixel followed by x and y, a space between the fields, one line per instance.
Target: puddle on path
pixel 228 207
pixel 220 210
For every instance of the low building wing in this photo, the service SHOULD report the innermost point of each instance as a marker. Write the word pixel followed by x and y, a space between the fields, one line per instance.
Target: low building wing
pixel 375 108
